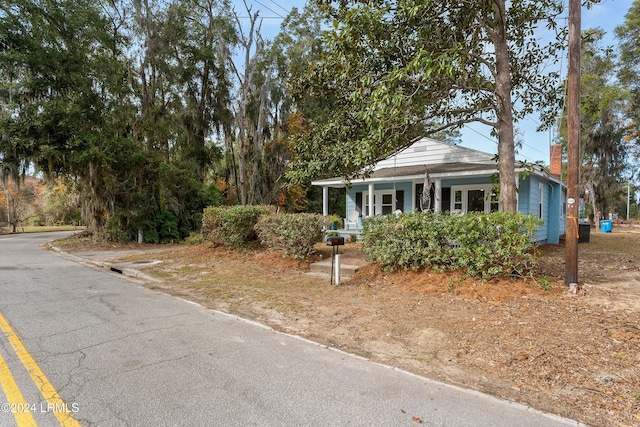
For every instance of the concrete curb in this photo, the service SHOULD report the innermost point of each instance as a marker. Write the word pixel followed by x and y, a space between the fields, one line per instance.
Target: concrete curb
pixel 129 272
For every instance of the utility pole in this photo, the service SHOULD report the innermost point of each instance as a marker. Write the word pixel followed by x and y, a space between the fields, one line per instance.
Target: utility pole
pixel 628 197
pixel 573 146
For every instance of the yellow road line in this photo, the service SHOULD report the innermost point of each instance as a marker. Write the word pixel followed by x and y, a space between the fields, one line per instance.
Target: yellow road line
pixel 54 401
pixel 15 401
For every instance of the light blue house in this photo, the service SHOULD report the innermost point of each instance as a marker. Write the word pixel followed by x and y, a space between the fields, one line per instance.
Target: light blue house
pixel 459 180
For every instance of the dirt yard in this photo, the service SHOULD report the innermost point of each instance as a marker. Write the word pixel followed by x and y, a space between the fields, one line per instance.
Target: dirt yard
pixel 577 356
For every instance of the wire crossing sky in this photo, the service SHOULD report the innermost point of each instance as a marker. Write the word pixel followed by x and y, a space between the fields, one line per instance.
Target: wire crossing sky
pixel 607 15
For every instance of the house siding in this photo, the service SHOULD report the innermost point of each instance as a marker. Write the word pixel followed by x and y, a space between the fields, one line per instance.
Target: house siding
pixel 555 212
pixel 528 203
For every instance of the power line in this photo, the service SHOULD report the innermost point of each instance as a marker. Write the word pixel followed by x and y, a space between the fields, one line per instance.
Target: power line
pixel 496 143
pixel 269 9
pixel 281 7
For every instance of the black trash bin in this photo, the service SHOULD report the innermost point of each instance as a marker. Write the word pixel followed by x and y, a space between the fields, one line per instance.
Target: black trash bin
pixel 584 233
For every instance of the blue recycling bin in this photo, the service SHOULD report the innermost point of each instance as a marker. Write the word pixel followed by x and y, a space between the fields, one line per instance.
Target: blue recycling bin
pixel 606 226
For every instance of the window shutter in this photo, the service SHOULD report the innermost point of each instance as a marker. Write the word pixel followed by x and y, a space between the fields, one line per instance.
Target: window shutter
pixel 400 200
pixel 359 202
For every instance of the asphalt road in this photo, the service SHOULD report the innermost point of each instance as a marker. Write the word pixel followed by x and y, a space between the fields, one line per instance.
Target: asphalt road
pixel 101 350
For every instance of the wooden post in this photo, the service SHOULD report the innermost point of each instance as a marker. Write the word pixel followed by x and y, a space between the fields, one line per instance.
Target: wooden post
pixel 573 145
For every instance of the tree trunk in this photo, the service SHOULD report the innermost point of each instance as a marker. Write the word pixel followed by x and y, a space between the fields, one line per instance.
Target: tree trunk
pixel 246 41
pixel 504 114
pixel 242 156
pixel 230 161
pixel 258 161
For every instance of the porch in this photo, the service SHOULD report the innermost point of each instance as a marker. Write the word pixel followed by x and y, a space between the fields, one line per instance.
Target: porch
pixel 346 233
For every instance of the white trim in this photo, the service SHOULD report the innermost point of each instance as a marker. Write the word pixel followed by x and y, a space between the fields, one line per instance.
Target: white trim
pixel 370 199
pixel 437 194
pixel 339 183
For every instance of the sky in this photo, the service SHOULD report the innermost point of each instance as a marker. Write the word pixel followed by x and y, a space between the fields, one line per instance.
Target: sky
pixel 607 15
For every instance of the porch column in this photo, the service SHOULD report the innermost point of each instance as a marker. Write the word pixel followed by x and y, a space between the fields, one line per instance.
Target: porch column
pixel 370 195
pixel 325 200
pixel 437 194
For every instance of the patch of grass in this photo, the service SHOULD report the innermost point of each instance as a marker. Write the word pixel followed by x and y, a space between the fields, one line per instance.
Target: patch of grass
pixel 281 306
pixel 544 283
pixel 453 284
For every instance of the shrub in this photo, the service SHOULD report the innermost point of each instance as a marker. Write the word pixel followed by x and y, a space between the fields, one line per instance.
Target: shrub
pixel 295 234
pixel 193 239
pixel 479 244
pixel 167 226
pixel 232 226
pixel 113 232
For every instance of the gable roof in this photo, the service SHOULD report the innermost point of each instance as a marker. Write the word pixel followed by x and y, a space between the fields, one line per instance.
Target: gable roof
pixel 439 157
pixel 427 151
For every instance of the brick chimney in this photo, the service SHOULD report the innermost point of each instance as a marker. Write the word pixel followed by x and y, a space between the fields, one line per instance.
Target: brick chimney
pixel 556 160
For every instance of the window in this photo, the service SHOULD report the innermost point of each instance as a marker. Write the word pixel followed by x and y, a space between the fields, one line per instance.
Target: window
pixel 384 201
pixel 365 196
pixel 494 202
pixel 474 198
pixel 446 199
pixel 387 203
pixel 457 204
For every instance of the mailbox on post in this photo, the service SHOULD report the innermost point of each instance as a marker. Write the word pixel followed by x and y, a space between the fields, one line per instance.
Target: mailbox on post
pixel 335 242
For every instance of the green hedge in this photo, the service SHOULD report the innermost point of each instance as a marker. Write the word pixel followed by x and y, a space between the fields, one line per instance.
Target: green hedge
pixel 232 226
pixel 295 234
pixel 479 244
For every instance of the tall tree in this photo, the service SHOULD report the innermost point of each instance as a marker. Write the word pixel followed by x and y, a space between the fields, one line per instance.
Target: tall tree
pixel 401 68
pixel 629 69
pixel 58 94
pixel 603 148
pixel 297 44
pixel 251 43
pixel 124 99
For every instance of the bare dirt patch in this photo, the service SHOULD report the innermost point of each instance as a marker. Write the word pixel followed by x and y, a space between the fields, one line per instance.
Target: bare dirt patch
pixel 577 356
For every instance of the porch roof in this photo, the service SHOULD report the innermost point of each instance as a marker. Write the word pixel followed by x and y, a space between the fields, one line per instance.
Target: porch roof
pixel 415 172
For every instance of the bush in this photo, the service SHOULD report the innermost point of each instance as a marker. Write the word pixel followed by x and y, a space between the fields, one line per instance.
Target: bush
pixel 193 239
pixel 113 232
pixel 232 226
pixel 295 234
pixel 479 244
pixel 167 226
